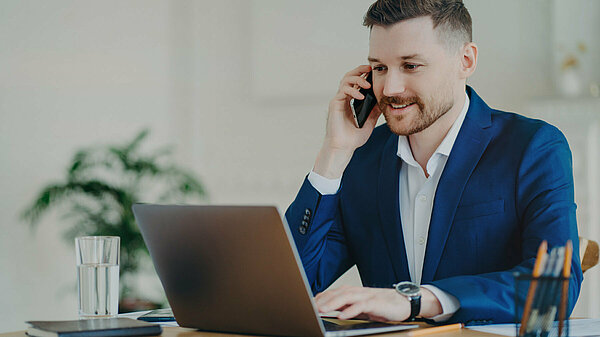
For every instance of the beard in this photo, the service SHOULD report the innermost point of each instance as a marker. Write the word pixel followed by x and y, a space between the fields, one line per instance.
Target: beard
pixel 428 111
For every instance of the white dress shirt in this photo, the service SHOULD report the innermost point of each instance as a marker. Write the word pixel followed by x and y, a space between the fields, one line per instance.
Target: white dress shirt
pixel 416 199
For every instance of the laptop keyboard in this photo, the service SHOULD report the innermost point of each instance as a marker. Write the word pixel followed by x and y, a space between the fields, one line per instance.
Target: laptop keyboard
pixel 329 326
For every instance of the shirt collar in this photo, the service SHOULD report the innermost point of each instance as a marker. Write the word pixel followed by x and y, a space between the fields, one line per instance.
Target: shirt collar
pixel 405 153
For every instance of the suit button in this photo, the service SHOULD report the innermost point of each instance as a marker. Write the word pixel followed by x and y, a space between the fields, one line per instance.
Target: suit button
pixel 304 224
pixel 306 218
pixel 302 230
pixel 307 212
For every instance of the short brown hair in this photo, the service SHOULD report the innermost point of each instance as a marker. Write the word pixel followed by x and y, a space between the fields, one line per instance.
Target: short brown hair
pixel 451 16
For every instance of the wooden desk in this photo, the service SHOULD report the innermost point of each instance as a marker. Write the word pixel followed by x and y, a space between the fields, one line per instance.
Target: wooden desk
pixel 184 332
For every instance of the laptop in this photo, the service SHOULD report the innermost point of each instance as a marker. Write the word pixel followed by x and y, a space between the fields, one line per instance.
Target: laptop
pixel 235 269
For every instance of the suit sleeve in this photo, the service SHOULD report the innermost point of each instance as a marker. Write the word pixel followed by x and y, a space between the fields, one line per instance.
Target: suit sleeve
pixel 316 225
pixel 546 208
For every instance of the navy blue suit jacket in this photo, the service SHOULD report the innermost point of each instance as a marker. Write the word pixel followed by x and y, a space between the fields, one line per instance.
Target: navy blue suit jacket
pixel 507 185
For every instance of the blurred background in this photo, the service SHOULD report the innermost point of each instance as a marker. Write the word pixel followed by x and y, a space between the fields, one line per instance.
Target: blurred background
pixel 240 90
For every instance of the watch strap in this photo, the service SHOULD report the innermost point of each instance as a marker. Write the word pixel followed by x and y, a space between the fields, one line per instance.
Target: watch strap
pixel 415 307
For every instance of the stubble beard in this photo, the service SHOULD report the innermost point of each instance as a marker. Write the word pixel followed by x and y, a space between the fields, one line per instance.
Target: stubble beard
pixel 428 112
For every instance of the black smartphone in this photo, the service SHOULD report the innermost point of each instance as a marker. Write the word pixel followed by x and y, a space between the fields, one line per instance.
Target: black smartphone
pixel 158 315
pixel 361 108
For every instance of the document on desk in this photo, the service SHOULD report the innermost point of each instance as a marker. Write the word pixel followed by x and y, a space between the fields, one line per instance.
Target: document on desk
pixel 136 314
pixel 577 328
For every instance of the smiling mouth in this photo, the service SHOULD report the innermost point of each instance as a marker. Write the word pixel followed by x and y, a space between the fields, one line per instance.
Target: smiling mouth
pixel 400 106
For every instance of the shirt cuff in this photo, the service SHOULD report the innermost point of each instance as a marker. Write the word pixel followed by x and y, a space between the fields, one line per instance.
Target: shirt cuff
pixel 450 304
pixel 324 185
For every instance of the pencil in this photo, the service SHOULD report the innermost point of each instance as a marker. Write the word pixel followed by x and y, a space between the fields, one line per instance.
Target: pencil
pixel 563 297
pixel 434 330
pixel 550 305
pixel 537 271
pixel 541 290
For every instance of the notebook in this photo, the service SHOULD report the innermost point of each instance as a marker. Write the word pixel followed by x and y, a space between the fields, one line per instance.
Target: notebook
pixel 93 328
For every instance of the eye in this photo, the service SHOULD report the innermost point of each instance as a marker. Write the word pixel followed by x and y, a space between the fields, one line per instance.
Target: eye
pixel 378 68
pixel 411 66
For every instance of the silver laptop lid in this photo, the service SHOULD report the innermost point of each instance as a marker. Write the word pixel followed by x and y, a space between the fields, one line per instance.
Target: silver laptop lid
pixel 229 269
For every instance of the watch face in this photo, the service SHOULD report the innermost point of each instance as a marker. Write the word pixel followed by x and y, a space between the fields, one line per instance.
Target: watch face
pixel 408 288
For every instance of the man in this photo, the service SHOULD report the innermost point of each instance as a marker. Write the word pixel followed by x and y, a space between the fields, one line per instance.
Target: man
pixel 449 193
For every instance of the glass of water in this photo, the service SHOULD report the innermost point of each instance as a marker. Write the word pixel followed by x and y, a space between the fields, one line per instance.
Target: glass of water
pixel 98 276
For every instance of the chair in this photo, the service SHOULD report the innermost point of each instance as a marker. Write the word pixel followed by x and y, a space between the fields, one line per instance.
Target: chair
pixel 588 250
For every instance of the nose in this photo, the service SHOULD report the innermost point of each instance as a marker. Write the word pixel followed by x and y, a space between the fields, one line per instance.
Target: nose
pixel 394 84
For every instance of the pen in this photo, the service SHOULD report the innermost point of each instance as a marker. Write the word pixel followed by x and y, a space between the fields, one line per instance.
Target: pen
pixel 537 270
pixel 550 305
pixel 434 330
pixel 533 324
pixel 563 297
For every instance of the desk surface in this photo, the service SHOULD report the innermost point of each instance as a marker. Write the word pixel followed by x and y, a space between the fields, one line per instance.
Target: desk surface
pixel 184 332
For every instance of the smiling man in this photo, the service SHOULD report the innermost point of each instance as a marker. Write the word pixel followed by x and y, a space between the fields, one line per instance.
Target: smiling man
pixel 439 206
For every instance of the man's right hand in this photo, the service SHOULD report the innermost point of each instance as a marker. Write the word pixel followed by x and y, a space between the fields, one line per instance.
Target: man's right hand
pixel 343 136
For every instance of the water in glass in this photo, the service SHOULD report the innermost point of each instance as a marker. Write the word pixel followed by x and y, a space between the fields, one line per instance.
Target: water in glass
pixel 98 286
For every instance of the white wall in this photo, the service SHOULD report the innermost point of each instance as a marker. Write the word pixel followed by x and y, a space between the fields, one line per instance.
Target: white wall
pixel 72 74
pixel 241 86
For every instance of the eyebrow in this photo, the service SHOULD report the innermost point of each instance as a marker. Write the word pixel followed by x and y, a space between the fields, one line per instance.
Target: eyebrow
pixel 406 57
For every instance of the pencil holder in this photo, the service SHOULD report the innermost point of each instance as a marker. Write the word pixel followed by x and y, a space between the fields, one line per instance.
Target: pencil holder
pixel 543 313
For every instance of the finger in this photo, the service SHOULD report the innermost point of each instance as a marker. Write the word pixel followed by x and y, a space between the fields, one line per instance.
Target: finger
pixel 341 96
pixel 342 300
pixel 356 81
pixel 353 310
pixel 347 94
pixel 323 297
pixel 365 68
pixel 353 92
pixel 326 297
pixel 329 294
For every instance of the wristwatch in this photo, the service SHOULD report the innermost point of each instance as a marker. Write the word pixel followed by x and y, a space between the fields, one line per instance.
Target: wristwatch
pixel 413 293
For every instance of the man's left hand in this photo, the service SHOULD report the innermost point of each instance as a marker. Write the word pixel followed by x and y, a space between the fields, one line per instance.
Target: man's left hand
pixel 375 304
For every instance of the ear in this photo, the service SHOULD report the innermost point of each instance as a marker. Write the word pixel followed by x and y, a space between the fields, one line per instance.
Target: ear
pixel 468 60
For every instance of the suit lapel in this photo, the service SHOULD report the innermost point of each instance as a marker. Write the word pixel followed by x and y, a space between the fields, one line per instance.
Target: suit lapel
pixel 389 208
pixel 468 148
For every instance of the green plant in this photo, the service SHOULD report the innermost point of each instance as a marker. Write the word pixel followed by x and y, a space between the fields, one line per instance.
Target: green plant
pixel 102 184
